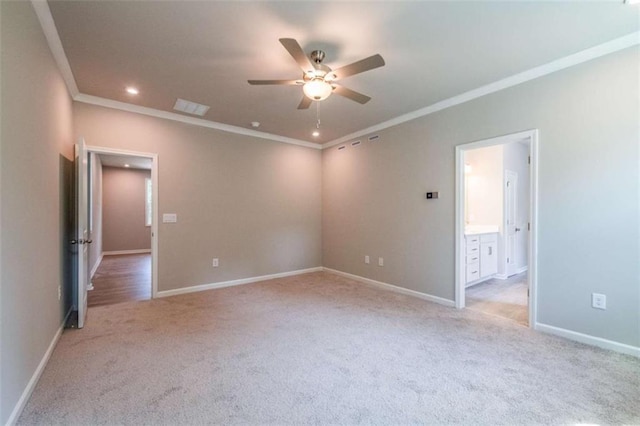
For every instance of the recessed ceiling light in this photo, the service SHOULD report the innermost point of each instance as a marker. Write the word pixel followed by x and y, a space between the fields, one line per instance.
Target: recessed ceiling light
pixel 632 1
pixel 132 90
pixel 315 134
pixel 126 165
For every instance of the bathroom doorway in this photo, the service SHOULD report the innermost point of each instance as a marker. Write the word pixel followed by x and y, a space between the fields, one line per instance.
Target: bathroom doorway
pixel 495 226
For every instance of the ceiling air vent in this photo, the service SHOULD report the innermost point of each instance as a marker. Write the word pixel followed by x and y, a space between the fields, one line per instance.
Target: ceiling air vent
pixel 356 143
pixel 190 107
pixel 341 147
pixel 374 138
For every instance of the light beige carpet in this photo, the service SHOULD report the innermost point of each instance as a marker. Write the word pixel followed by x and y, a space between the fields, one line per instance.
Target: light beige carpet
pixel 321 349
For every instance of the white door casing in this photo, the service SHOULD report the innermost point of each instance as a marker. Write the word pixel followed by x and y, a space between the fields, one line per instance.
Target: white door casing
pixel 82 240
pixel 532 246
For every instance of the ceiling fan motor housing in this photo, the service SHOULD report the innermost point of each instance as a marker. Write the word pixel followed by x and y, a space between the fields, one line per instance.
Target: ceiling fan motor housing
pixel 317 56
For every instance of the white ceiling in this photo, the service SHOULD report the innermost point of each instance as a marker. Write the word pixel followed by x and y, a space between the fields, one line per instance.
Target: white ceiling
pixel 206 51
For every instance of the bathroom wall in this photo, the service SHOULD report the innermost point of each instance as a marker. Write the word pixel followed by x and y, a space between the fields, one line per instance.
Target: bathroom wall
pixel 484 197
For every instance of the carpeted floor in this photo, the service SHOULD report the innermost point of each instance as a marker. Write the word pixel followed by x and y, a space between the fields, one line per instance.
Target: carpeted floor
pixel 322 349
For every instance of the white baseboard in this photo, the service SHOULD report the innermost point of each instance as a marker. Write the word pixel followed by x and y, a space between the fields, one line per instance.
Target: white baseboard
pixel 501 276
pixel 394 288
pixel 26 394
pixel 95 267
pixel 116 252
pixel 521 270
pixel 589 340
pixel 231 283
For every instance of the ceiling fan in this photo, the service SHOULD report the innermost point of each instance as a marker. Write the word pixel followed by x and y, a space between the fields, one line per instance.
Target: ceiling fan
pixel 318 80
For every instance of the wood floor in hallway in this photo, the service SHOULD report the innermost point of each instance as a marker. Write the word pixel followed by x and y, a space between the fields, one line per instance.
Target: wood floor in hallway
pixel 121 278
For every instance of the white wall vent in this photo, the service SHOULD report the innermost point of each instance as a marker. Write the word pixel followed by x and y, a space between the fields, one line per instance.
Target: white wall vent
pixel 374 138
pixel 342 147
pixel 190 107
pixel 356 143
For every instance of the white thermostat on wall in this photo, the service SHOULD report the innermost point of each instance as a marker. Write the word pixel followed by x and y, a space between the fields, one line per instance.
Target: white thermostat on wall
pixel 169 218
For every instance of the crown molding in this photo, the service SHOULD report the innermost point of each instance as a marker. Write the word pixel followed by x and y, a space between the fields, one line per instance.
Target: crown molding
pixel 123 106
pixel 531 74
pixel 49 28
pixel 43 12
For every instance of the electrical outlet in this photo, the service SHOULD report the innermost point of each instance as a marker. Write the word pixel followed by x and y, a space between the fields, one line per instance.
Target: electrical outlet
pixel 216 263
pixel 366 260
pixel 598 301
pixel 380 261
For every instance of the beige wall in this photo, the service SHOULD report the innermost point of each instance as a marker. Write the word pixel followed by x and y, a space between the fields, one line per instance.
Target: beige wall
pixel 36 168
pixel 252 203
pixel 95 248
pixel 123 204
pixel 374 203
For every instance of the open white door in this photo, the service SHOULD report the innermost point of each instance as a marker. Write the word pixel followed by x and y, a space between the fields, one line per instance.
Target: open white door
pixel 82 233
pixel 510 199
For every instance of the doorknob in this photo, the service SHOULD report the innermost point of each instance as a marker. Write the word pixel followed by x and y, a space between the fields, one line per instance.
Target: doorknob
pixel 74 241
pixel 88 241
pixel 517 229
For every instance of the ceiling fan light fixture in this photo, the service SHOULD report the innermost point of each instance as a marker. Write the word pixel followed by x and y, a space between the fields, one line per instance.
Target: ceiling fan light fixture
pixel 317 89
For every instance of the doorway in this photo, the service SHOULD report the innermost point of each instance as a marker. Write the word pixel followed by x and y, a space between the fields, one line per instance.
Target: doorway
pixel 496 215
pixel 122 225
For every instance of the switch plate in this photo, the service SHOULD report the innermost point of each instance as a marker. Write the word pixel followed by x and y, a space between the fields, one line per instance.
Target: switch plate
pixel 432 195
pixel 366 260
pixel 215 263
pixel 598 301
pixel 59 292
pixel 169 218
pixel 380 261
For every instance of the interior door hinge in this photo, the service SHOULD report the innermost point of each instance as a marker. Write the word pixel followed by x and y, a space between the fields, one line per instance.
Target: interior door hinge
pixel 529 160
pixel 528 226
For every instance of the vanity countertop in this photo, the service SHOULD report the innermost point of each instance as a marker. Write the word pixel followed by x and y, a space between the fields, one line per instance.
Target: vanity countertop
pixel 480 229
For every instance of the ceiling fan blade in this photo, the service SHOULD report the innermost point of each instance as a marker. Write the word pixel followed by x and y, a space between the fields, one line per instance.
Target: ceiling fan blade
pixel 305 103
pixel 294 49
pixel 350 94
pixel 282 82
pixel 363 65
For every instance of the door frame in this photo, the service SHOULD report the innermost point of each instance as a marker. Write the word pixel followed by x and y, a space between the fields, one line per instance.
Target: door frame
pixel 154 215
pixel 532 277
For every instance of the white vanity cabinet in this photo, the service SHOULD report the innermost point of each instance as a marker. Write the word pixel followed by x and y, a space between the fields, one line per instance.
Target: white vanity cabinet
pixel 472 257
pixel 481 257
pixel 488 255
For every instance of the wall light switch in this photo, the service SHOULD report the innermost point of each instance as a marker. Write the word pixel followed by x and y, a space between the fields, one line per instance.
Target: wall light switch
pixel 366 260
pixel 380 261
pixel 432 195
pixel 169 218
pixel 215 263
